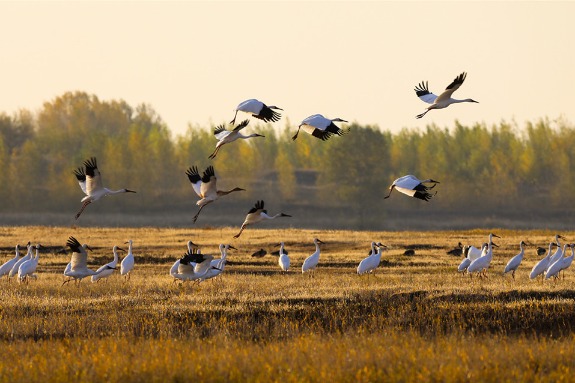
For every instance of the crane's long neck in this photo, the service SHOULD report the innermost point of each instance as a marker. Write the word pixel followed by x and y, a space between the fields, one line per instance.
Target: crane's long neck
pixel 456 101
pixel 112 192
pixel 226 192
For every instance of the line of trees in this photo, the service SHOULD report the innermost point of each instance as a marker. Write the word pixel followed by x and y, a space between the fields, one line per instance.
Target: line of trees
pixel 482 169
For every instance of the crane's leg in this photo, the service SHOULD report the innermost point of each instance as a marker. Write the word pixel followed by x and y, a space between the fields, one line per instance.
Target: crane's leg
pixel 422 114
pixel 199 211
pixel 240 233
pixel 84 205
pixel 296 133
pixel 213 155
pixel 234 120
pixel 513 274
pixel 390 190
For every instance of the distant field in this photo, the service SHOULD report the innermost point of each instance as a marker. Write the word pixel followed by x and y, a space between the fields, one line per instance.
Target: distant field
pixel 415 320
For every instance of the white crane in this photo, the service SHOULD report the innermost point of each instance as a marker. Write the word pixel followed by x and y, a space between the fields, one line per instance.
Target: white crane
pixel 226 136
pixel 283 260
pixel 258 110
pixel 7 266
pixel 481 264
pixel 553 261
pixel 90 181
pixel 127 264
pixel 311 262
pixel 543 264
pixel 444 99
pixel 206 188
pixel 371 262
pixel 514 262
pixel 462 268
pixel 191 266
pixel 217 266
pixel 321 127
pixel 27 268
pixel 16 265
pixel 79 262
pixel 257 214
pixel 108 269
pixel 559 252
pixel 414 187
pixel 474 252
pixel 562 264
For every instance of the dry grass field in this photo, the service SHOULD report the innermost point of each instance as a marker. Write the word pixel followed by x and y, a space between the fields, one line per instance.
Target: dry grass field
pixel 415 320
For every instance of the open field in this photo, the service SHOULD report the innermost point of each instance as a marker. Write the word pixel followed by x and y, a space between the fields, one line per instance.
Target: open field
pixel 415 320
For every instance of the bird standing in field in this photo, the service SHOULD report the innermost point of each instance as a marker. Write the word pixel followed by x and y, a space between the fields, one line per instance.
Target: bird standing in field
pixel 562 264
pixel 283 260
pixel 226 136
pixel 257 214
pixel 90 181
pixel 370 263
pixel 191 266
pixel 473 252
pixel 79 262
pixel 321 127
pixel 16 265
pixel 514 262
pixel 27 269
pixel 218 265
pixel 413 187
pixel 462 268
pixel 7 266
pixel 258 110
pixel 206 188
pixel 543 264
pixel 559 252
pixel 457 251
pixel 481 264
pixel 311 262
pixel 444 99
pixel 127 264
pixel 108 269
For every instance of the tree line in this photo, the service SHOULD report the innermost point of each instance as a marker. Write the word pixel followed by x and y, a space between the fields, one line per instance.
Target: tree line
pixel 482 169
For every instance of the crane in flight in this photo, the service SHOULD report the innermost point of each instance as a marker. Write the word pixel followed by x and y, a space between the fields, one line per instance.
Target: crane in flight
pixel 444 99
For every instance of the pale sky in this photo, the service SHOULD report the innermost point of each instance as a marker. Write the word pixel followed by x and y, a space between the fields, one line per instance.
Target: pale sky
pixel 194 62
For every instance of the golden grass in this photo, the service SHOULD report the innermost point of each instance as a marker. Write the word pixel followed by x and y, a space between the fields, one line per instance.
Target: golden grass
pixel 415 320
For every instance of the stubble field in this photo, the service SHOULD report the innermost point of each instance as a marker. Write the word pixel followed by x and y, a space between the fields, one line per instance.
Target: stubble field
pixel 416 319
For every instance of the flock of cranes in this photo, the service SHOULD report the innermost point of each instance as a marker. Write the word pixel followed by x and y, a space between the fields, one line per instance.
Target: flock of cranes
pixel 197 266
pixel 477 261
pixel 323 128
